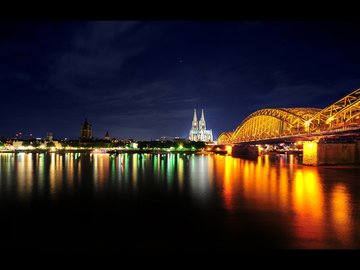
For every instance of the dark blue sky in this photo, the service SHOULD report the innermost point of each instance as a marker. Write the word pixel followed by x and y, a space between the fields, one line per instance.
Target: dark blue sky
pixel 142 80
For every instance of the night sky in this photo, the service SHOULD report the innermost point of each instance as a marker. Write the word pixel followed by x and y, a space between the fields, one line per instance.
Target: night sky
pixel 142 80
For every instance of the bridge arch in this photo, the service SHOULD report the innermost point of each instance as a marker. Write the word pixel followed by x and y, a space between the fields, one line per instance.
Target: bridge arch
pixel 343 113
pixel 225 137
pixel 269 123
pixel 273 123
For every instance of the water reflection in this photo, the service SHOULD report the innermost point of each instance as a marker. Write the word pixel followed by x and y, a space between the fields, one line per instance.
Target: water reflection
pixel 23 172
pixel 308 204
pixel 341 216
pixel 180 172
pixel 316 205
pixel 317 213
pixel 200 177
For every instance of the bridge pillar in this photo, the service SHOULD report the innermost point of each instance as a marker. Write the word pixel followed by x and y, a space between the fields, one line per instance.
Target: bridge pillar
pixel 315 153
pixel 242 150
pixel 357 151
pixel 229 149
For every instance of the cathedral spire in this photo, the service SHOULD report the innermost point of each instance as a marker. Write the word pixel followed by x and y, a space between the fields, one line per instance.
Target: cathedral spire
pixel 202 123
pixel 194 124
pixel 202 115
pixel 195 117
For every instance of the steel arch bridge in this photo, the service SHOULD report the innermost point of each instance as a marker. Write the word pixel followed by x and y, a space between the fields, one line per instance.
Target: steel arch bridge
pixel 225 137
pixel 278 122
pixel 343 113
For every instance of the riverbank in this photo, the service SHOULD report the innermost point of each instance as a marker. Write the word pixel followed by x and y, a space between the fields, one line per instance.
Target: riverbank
pixel 104 151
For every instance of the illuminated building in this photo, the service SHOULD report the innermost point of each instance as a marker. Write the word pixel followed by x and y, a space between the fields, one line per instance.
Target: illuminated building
pixel 198 131
pixel 85 130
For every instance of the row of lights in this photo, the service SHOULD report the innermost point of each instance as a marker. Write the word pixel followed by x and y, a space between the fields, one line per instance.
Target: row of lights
pixel 306 124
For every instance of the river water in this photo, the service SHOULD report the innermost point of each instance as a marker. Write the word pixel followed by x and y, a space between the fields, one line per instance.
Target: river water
pixel 176 201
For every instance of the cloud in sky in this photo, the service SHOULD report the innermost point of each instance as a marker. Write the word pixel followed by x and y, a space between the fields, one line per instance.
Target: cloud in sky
pixel 96 57
pixel 93 75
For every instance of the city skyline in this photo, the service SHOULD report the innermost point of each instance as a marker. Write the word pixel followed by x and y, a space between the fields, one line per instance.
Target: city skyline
pixel 180 136
pixel 142 80
pixel 86 133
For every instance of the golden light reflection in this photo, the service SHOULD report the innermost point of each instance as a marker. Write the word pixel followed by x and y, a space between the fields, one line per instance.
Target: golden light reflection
pixel 20 173
pixel 78 161
pixel 24 172
pixel 101 165
pixel 308 204
pixel 52 175
pixel 257 181
pixel 291 159
pixel 294 190
pixel 227 169
pixel 7 163
pixel 228 180
pixel 95 169
pixel 340 211
pixel 69 168
pixel 283 188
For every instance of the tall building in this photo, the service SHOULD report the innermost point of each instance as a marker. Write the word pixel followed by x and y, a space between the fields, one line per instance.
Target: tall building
pixel 198 131
pixel 49 136
pixel 107 136
pixel 85 130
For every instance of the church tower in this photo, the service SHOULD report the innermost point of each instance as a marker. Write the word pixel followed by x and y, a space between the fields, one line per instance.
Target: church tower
pixel 85 130
pixel 202 123
pixel 107 136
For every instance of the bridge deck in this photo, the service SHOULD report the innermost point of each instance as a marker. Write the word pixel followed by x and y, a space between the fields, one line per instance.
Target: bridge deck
pixel 343 132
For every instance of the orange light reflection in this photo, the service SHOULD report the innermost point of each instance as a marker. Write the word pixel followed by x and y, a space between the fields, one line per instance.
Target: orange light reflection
pixel 308 204
pixel 340 210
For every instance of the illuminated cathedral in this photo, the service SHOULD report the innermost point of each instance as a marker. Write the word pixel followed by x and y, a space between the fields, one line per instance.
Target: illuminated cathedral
pixel 198 131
